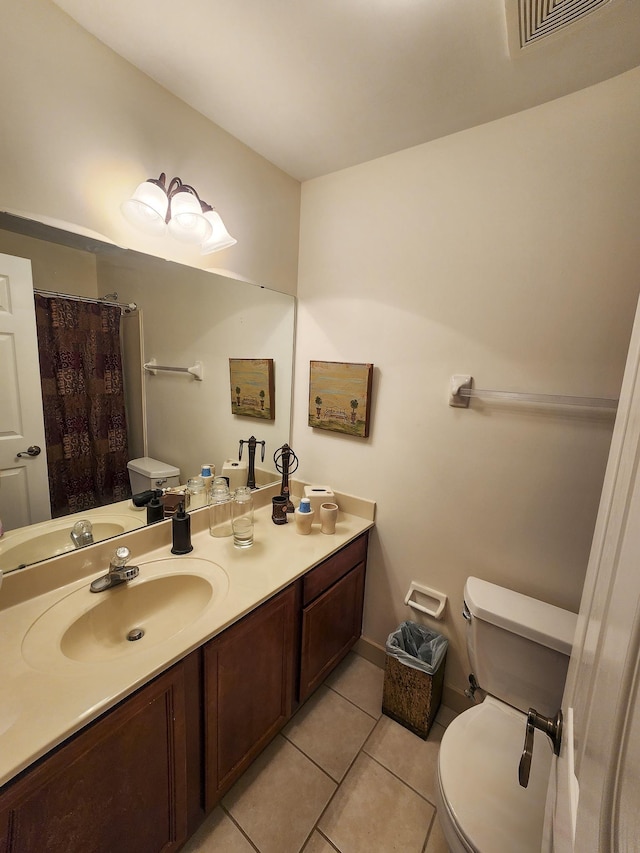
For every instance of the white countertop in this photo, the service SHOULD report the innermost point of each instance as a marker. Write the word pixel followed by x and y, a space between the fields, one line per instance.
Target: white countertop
pixel 46 697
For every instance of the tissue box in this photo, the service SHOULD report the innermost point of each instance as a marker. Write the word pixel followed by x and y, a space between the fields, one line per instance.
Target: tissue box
pixel 319 495
pixel 236 472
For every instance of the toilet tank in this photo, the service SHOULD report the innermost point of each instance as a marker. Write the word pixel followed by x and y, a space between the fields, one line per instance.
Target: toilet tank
pixel 518 647
pixel 147 473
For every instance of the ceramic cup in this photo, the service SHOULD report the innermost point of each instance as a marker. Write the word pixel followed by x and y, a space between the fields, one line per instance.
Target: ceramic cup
pixel 328 517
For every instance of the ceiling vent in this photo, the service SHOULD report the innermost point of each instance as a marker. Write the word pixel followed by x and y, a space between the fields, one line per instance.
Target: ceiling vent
pixel 532 21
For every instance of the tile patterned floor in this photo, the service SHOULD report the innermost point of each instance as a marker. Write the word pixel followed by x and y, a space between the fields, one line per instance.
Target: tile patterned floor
pixel 340 777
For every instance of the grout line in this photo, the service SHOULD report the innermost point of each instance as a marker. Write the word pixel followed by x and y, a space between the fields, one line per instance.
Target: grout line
pixel 330 800
pixel 241 830
pixel 360 748
pixel 322 814
pixel 399 778
pixel 351 702
pixel 329 776
pixel 313 830
pixel 431 825
pixel 328 840
pixel 308 757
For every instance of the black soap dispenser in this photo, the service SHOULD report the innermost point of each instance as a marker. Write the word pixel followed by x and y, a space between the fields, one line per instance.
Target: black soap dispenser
pixel 155 509
pixel 181 532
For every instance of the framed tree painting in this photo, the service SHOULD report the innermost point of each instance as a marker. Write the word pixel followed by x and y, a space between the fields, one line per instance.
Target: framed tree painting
pixel 252 387
pixel 340 396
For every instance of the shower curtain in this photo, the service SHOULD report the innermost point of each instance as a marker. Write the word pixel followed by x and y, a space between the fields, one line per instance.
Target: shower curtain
pixel 83 401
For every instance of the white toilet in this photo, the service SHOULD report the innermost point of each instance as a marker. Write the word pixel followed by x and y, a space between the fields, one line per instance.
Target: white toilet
pixel 147 473
pixel 519 651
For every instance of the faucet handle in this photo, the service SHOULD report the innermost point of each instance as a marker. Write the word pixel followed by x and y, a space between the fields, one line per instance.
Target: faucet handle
pixel 118 565
pixel 120 557
pixel 82 533
pixel 118 572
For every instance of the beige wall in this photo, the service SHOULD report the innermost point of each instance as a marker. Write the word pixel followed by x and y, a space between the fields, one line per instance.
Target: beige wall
pixel 82 128
pixel 509 252
pixel 54 267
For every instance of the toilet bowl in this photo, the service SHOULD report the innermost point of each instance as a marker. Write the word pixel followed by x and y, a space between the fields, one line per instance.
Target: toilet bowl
pixel 481 806
pixel 519 650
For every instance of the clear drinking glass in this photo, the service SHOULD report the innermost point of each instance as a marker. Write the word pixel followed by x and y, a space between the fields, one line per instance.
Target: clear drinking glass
pixel 242 517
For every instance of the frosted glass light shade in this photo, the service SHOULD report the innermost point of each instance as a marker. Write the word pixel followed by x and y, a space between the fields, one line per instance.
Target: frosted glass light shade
pixel 147 208
pixel 154 208
pixel 187 222
pixel 220 237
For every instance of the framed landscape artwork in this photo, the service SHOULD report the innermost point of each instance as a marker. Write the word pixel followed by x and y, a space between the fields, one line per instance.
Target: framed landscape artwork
pixel 252 387
pixel 340 396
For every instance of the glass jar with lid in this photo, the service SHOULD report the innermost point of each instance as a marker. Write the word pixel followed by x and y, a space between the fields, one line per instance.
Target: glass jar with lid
pixel 220 508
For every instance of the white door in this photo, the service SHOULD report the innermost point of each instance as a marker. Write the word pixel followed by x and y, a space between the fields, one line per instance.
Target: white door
pixel 24 487
pixel 593 804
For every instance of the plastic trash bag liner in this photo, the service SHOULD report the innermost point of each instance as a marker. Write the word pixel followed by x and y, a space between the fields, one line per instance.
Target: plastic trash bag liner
pixel 417 646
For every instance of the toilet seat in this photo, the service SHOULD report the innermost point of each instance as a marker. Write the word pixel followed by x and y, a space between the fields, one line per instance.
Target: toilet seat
pixel 482 808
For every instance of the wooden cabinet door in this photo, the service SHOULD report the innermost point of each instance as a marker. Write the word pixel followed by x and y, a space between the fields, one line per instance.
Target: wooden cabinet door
pixel 249 676
pixel 330 626
pixel 119 785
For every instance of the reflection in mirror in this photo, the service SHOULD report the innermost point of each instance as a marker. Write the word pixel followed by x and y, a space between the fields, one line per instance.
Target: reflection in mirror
pixel 184 316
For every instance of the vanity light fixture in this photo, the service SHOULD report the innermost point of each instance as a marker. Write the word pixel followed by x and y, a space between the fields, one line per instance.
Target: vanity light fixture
pixel 156 208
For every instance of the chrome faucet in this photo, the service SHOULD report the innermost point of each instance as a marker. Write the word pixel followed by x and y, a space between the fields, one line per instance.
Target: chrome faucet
pixel 82 533
pixel 118 572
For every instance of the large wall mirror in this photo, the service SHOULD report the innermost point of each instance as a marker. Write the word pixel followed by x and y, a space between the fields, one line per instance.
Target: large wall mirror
pixel 183 316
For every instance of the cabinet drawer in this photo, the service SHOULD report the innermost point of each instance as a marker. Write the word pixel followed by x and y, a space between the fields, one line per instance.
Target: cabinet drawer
pixel 323 576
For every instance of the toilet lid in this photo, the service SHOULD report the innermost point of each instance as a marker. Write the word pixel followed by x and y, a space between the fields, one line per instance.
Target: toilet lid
pixel 478 772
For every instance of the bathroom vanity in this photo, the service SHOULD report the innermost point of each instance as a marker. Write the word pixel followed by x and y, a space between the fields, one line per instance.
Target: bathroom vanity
pixel 116 759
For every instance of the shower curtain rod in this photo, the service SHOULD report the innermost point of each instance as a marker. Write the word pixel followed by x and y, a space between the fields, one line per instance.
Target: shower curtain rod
pixel 125 307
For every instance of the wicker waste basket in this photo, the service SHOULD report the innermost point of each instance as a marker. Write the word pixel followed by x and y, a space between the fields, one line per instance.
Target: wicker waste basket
pixel 413 676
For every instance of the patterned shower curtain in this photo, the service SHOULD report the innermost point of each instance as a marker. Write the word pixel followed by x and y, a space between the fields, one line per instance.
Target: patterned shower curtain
pixel 83 400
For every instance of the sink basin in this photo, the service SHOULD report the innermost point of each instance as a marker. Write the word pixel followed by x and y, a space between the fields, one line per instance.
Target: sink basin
pixel 167 597
pixel 159 608
pixel 52 538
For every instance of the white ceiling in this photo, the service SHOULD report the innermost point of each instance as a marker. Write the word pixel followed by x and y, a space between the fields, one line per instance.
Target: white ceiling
pixel 319 85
